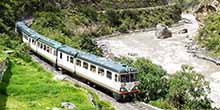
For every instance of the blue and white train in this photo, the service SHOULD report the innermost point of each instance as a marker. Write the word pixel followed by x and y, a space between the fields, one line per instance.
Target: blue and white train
pixel 113 76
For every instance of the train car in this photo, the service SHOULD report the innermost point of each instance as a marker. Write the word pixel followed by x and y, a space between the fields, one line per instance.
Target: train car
pixel 118 78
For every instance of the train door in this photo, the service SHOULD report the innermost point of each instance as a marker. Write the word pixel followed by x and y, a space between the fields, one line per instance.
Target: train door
pixel 60 59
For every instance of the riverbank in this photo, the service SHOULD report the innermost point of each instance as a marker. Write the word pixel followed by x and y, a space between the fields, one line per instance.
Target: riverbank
pixel 170 53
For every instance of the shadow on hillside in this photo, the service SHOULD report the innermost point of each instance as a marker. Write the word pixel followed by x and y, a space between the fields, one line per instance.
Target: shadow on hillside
pixel 3 88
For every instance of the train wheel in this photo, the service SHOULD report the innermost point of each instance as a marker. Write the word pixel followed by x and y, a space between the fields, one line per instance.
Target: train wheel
pixel 117 96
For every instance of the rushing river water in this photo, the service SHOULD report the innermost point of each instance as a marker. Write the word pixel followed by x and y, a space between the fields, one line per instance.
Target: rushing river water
pixel 170 53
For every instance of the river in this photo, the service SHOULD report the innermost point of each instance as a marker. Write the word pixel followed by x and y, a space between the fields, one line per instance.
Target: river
pixel 170 53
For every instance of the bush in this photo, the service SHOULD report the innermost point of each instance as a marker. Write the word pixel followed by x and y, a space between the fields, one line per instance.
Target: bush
pixel 21 52
pixel 162 103
pixel 153 84
pixel 188 90
pixel 209 35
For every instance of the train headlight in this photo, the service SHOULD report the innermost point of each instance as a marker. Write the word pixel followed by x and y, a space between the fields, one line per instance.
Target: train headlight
pixel 123 90
pixel 135 87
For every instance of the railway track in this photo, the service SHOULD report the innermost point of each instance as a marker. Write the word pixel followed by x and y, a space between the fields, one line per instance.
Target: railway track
pixel 101 94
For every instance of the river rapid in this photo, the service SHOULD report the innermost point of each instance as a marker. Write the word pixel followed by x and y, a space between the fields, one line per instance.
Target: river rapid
pixel 170 53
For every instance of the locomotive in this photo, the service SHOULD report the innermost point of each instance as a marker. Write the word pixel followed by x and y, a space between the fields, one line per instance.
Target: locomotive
pixel 115 77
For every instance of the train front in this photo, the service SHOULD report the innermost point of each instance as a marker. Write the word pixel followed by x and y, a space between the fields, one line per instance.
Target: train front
pixel 128 85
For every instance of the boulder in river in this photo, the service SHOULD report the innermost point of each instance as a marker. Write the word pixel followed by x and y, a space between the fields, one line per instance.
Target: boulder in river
pixel 162 32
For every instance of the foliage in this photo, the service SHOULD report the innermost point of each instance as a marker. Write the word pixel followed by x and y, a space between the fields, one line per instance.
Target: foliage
pixel 3 56
pixel 21 52
pixel 71 26
pixel 153 84
pixel 162 103
pixel 209 35
pixel 189 90
pixel 89 45
pixel 186 89
pixel 32 87
pixel 20 48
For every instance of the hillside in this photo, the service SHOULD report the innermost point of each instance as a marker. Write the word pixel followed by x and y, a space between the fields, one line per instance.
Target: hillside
pixel 76 22
pixel 27 85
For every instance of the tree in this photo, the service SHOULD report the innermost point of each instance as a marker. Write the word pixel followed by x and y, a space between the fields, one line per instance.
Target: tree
pixel 89 45
pixel 153 84
pixel 189 90
pixel 113 17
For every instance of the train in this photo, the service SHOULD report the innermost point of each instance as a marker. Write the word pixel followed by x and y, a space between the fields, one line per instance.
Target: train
pixel 118 78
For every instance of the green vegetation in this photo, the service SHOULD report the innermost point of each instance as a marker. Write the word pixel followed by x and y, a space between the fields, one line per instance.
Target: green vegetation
pixel 189 90
pixel 186 89
pixel 71 21
pixel 32 87
pixel 209 35
pixel 27 85
pixel 70 26
pixel 152 81
pixel 3 56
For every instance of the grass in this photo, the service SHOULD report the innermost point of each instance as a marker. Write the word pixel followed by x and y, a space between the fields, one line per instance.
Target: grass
pixel 27 86
pixel 3 56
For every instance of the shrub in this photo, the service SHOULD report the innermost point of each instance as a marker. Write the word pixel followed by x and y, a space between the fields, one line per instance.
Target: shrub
pixel 162 103
pixel 188 90
pixel 153 84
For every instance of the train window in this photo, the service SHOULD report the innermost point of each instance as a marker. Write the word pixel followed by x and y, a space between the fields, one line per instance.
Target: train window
pixel 109 75
pixel 85 65
pixel 25 36
pixel 61 55
pixel 38 44
pixel 101 71
pixel 78 62
pixel 67 58
pixel 48 49
pixel 29 39
pixel 41 45
pixel 133 77
pixel 33 41
pixel 71 59
pixel 124 78
pixel 93 68
pixel 51 52
pixel 55 52
pixel 45 47
pixel 116 78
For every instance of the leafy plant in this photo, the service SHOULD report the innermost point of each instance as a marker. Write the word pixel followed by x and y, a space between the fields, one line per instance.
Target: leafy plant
pixel 189 90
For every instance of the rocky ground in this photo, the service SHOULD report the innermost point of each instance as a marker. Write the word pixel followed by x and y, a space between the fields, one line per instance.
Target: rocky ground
pixel 170 53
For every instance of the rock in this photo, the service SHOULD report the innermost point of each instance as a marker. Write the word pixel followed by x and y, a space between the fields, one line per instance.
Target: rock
pixel 162 31
pixel 91 99
pixel 55 108
pixel 59 77
pixel 68 105
pixel 183 31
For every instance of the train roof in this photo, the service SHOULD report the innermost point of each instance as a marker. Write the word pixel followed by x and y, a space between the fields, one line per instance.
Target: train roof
pixel 49 42
pixel 68 50
pixel 106 63
pixel 23 28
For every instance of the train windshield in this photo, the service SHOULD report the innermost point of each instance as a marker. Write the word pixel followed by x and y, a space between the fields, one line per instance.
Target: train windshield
pixel 128 78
